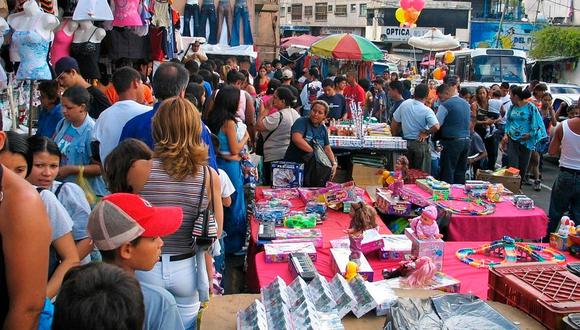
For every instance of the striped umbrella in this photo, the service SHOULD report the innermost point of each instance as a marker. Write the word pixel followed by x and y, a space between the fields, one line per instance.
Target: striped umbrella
pixel 346 46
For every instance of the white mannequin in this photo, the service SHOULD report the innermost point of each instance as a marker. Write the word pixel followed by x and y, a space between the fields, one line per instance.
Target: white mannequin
pixel 85 30
pixel 192 2
pixel 3 27
pixel 93 10
pixel 69 26
pixel 32 18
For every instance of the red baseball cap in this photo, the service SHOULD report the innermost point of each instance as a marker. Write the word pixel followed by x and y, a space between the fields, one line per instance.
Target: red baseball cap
pixel 120 218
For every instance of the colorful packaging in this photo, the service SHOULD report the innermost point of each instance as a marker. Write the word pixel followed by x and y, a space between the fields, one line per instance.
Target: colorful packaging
pixel 280 193
pixel 395 247
pixel 558 242
pixel 494 192
pixel 365 302
pixel 342 295
pixel 340 257
pixel 313 235
pixel 280 252
pixel 389 204
pixel 301 220
pixel 372 241
pixel 475 185
pixel 287 174
pixel 523 202
pixel 433 248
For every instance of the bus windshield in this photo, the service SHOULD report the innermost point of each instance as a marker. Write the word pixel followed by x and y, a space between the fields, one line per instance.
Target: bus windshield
pixel 487 68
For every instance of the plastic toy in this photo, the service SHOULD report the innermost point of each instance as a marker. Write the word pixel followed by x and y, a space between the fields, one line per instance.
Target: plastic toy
pixel 494 192
pixel 523 202
pixel 511 252
pixel 477 207
pixel 301 220
pixel 405 268
pixel 425 226
pixel 363 217
pixel 566 227
pixel 351 270
pixel 422 275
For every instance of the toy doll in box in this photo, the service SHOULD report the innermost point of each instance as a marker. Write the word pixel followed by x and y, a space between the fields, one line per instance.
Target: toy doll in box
pixel 425 226
pixel 363 217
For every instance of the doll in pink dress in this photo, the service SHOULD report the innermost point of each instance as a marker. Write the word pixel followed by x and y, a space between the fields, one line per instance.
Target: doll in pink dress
pixel 363 217
pixel 425 226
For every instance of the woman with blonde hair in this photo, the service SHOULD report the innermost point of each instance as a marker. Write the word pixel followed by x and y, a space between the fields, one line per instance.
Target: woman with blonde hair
pixel 181 177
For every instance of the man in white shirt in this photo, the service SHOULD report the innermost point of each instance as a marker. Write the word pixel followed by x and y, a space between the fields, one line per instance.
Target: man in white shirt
pixel 128 84
pixel 310 92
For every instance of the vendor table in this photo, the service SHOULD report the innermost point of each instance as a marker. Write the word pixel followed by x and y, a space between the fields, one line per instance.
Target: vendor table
pixel 333 227
pixel 506 220
pixel 473 280
pixel 222 310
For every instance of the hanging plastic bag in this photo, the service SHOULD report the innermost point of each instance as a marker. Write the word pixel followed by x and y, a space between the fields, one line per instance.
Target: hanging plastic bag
pixel 86 187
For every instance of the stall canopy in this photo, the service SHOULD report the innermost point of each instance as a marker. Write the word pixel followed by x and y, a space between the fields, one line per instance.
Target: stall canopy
pixel 346 46
pixel 242 50
pixel 434 40
pixel 303 40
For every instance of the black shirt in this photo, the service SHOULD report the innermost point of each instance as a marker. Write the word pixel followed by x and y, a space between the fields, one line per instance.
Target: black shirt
pixel 99 102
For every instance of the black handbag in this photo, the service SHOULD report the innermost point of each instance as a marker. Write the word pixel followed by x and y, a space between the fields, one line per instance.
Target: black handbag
pixel 261 141
pixel 317 167
pixel 205 228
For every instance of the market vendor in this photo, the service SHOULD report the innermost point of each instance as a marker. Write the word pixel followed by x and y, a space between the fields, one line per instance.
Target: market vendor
pixel 306 130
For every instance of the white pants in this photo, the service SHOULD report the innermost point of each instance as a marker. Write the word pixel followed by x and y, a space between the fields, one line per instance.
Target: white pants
pixel 185 279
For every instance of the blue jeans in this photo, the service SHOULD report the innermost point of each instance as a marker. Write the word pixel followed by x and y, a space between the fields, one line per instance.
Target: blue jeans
pixel 565 197
pixel 435 167
pixel 191 12
pixel 208 13
pixel 454 160
pixel 241 13
pixel 185 279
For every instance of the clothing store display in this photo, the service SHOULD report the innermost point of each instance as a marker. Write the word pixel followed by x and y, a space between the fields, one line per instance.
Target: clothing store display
pixel 32 49
pixel 161 14
pixel 61 43
pixel 126 44
pixel 241 15
pixel 191 17
pixel 208 14
pixel 224 12
pixel 127 13
pixel 87 55
pixel 47 6
pixel 156 37
pixel 93 10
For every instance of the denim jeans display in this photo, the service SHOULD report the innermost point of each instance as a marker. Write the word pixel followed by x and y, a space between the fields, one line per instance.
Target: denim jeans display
pixel 208 14
pixel 191 13
pixel 224 10
pixel 241 15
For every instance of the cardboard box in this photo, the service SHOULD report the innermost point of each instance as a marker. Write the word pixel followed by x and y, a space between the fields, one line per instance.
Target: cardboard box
pixel 287 174
pixel 395 247
pixel 427 248
pixel 372 241
pixel 388 204
pixel 512 183
pixel 365 175
pixel 340 257
pixel 313 235
pixel 558 242
pixel 281 252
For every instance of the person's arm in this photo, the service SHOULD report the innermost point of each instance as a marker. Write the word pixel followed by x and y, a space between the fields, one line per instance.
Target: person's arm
pixel 251 119
pixel 301 143
pixel 230 131
pixel 88 170
pixel 74 201
pixel 330 154
pixel 25 243
pixel 554 147
pixel 441 114
pixel 395 128
pixel 260 127
pixel 553 119
pixel 344 115
pixel 424 134
pixel 69 257
pixel 208 107
pixel 218 210
pixel 201 56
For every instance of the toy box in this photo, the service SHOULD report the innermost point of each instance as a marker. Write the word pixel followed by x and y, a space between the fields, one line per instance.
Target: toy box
pixel 395 247
pixel 280 193
pixel 429 184
pixel 287 174
pixel 340 257
pixel 372 241
pixel 313 235
pixel 427 248
pixel 475 185
pixel 523 202
pixel 280 252
pixel 512 183
pixel 441 282
pixel 558 242
pixel 389 204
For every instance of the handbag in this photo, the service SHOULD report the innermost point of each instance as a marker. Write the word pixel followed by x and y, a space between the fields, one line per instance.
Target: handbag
pixel 205 229
pixel 261 141
pixel 317 167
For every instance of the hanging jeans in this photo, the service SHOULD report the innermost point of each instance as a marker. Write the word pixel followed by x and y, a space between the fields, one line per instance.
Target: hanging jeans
pixel 241 14
pixel 224 10
pixel 208 14
pixel 191 13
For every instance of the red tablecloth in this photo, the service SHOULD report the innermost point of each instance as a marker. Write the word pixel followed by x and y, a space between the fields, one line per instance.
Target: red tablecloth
pixel 506 220
pixel 333 227
pixel 473 280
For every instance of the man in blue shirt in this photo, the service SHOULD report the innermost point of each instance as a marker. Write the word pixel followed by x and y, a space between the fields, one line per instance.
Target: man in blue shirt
pixel 417 122
pixel 50 113
pixel 454 115
pixel 169 80
pixel 336 102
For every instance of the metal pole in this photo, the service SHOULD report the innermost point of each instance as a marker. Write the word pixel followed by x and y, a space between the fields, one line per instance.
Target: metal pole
pixel 500 24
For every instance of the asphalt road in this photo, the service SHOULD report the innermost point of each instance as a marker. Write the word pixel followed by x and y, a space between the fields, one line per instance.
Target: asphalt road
pixel 549 174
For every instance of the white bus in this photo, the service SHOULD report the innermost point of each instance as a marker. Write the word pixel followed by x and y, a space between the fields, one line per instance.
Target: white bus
pixel 488 65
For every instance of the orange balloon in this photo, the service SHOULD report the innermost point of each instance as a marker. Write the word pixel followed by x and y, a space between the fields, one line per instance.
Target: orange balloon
pixel 448 57
pixel 411 16
pixel 400 15
pixel 438 74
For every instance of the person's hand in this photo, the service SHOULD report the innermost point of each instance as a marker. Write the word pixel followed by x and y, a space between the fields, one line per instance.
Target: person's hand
pixel 470 160
pixel 423 135
pixel 489 121
pixel 333 172
pixel 526 137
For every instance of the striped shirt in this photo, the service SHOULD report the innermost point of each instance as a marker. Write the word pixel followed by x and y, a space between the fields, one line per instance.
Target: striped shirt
pixel 163 190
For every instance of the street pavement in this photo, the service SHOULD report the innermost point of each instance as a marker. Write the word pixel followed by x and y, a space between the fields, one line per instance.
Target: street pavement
pixel 549 174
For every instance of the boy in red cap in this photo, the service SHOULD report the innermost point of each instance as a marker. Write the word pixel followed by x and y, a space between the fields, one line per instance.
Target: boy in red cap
pixel 127 230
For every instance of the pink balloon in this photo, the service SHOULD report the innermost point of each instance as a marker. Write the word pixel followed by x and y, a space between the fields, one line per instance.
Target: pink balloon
pixel 418 4
pixel 406 4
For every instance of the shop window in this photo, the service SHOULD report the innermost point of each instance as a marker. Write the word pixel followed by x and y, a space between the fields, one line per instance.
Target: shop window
pixel 307 11
pixel 340 10
pixel 297 12
pixel 353 8
pixel 362 10
pixel 330 8
pixel 321 11
pixel 282 11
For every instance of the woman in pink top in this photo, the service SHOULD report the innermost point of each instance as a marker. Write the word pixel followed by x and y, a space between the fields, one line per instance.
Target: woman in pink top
pixel 267 99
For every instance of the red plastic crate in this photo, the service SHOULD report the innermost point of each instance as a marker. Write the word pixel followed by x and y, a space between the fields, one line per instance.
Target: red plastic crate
pixel 546 291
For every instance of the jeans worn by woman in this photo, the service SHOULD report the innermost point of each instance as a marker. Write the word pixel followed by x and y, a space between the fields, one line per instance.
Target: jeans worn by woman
pixel 191 13
pixel 241 15
pixel 208 13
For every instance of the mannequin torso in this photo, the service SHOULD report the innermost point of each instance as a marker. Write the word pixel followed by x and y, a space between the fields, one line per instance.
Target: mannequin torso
pixel 63 38
pixel 127 13
pixel 86 47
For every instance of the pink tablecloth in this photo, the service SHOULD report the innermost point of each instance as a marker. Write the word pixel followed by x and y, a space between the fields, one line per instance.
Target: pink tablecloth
pixel 506 220
pixel 473 280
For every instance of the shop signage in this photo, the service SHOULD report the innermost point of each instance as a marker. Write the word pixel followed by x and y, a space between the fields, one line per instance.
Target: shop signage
pixel 395 33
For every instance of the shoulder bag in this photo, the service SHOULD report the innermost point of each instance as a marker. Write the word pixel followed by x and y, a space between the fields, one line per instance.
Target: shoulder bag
pixel 204 226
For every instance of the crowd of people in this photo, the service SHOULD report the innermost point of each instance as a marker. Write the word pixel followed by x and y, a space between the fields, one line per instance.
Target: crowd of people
pixel 147 174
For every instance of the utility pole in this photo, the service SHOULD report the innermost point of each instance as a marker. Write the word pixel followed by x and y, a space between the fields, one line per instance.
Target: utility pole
pixel 503 10
pixel 535 22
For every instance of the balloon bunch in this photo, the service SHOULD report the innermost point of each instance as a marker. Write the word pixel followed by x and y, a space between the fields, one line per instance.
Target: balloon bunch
pixel 439 73
pixel 409 12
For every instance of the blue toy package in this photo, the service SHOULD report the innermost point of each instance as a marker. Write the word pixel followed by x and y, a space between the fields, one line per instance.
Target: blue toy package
pixel 274 210
pixel 287 174
pixel 317 208
pixel 250 172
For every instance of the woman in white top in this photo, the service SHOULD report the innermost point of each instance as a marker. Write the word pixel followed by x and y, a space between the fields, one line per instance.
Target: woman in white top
pixel 275 128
